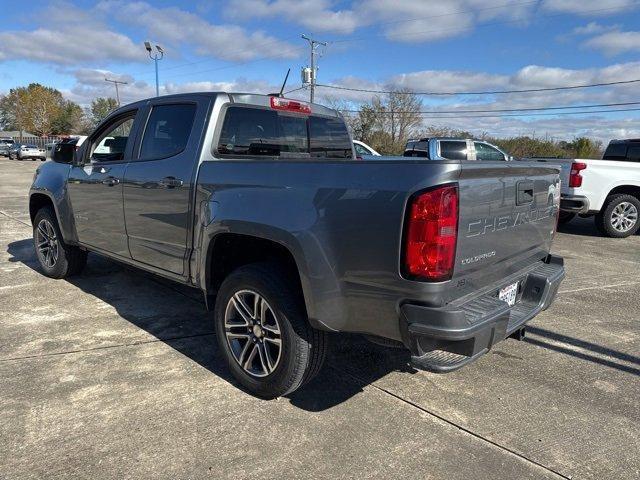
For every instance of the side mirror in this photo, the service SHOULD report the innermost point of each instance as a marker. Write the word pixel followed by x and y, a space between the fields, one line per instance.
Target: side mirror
pixel 64 153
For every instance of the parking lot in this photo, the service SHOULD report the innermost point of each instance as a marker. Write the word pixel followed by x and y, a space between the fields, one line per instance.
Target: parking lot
pixel 115 374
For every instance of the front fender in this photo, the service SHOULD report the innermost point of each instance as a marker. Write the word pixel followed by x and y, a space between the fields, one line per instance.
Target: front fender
pixel 50 180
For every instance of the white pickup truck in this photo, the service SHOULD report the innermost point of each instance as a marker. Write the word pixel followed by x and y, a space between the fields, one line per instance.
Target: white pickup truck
pixel 607 189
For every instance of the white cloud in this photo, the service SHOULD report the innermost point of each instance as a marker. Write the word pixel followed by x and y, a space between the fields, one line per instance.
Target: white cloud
pixel 592 28
pixel 71 45
pixel 589 7
pixel 614 43
pixel 313 14
pixel 177 27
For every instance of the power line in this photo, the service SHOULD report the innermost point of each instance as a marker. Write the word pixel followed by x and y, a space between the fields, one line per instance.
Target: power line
pixel 586 112
pixel 502 110
pixel 116 83
pixel 488 92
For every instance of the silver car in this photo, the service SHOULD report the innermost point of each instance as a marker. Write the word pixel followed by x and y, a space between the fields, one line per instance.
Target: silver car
pixel 28 151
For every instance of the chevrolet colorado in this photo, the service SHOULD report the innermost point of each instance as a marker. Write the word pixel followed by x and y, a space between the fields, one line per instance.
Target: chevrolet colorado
pixel 261 203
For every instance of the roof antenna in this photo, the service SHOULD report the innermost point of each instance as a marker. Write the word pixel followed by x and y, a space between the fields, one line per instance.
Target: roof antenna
pixel 284 83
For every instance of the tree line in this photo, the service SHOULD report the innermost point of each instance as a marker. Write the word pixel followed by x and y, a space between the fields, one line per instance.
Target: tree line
pixel 386 122
pixel 43 111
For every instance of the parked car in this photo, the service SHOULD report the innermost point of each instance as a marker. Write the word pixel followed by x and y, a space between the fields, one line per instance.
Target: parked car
pixel 607 190
pixel 23 151
pixel 5 145
pixel 362 149
pixel 454 149
pixel 288 238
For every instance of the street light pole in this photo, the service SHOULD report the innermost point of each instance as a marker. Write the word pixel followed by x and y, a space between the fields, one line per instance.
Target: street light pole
pixel 156 56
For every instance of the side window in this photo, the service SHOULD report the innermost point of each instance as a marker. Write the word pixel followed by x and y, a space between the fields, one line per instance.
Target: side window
pixel 487 152
pixel 329 138
pixel 360 150
pixel 167 131
pixel 633 153
pixel 453 149
pixel 112 143
pixel 615 151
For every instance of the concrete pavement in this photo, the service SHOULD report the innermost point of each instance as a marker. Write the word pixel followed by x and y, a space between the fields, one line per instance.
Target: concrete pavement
pixel 116 374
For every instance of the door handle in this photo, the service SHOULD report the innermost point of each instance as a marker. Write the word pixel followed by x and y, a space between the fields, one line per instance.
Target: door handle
pixel 110 181
pixel 170 182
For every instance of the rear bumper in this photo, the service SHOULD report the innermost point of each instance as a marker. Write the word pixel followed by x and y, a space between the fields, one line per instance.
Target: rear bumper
pixel 445 339
pixel 574 203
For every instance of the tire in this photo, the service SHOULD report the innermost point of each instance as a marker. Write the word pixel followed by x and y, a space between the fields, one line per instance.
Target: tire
pixel 619 217
pixel 254 358
pixel 57 259
pixel 566 217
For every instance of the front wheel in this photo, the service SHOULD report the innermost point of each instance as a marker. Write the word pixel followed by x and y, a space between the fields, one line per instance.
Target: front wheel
pixel 57 259
pixel 263 332
pixel 619 216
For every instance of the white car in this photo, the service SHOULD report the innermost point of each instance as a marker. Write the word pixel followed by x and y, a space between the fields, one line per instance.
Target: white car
pixel 363 149
pixel 607 189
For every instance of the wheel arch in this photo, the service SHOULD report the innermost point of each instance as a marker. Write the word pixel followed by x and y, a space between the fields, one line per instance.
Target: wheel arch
pixel 633 190
pixel 230 250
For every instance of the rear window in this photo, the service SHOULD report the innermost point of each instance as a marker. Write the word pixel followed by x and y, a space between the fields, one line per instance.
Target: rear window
pixel 615 151
pixel 265 132
pixel 453 150
pixel 417 149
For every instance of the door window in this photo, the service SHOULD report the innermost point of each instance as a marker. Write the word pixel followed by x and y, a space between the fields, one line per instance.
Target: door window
pixel 487 152
pixel 112 142
pixel 453 149
pixel 167 131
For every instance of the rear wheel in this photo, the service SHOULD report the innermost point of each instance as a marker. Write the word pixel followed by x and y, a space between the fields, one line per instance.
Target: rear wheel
pixel 263 332
pixel 619 216
pixel 57 259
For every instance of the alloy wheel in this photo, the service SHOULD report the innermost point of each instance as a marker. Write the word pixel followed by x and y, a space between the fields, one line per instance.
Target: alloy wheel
pixel 47 243
pixel 624 217
pixel 253 333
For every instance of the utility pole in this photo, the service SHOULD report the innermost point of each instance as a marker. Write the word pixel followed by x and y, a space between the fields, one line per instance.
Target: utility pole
pixel 116 83
pixel 314 45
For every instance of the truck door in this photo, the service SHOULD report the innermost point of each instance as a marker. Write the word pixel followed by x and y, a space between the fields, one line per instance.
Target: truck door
pixel 95 185
pixel 158 184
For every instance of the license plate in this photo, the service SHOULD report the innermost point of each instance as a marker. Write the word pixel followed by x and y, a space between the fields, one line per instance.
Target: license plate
pixel 508 294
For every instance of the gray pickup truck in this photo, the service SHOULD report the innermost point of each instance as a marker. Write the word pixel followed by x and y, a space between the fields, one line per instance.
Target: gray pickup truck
pixel 261 203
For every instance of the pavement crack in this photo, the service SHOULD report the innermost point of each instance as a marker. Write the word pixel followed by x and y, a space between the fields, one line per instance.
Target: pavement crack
pixel 453 424
pixel 106 347
pixel 14 219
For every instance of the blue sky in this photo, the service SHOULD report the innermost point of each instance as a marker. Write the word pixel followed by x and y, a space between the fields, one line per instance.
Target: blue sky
pixel 425 45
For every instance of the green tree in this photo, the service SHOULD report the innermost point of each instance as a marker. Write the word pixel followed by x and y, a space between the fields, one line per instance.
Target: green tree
pixel 101 107
pixel 34 108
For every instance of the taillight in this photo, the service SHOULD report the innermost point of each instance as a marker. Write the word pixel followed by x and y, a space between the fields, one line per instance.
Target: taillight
pixel 431 234
pixel 575 179
pixel 279 103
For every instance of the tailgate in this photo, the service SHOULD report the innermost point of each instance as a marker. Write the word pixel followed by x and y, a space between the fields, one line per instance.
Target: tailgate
pixel 507 218
pixel 564 164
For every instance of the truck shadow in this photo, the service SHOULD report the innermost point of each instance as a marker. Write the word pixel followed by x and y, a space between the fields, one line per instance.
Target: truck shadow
pixel 584 227
pixel 176 315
